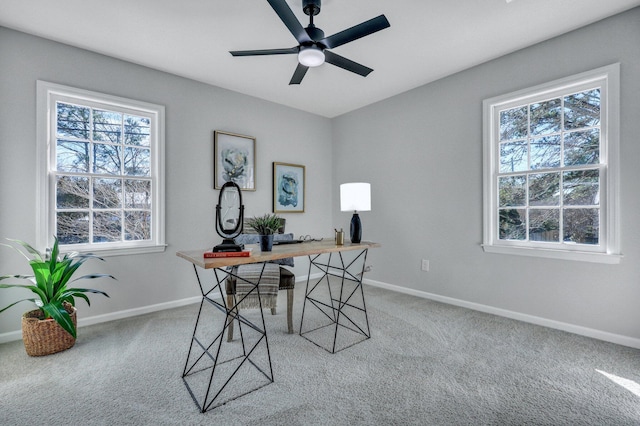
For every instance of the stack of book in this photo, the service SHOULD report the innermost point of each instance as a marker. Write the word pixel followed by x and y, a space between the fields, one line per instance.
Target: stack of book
pixel 216 254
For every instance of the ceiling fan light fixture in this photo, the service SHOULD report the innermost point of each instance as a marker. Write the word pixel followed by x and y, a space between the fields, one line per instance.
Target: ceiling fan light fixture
pixel 311 56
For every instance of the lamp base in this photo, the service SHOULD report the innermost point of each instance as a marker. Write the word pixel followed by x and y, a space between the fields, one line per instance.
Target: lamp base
pixel 356 228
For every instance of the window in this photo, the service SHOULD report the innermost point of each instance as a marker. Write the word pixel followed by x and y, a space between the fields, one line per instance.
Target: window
pixel 101 171
pixel 551 169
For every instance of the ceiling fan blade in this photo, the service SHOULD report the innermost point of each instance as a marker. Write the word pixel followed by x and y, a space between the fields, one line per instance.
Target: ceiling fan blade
pixel 298 74
pixel 290 20
pixel 350 34
pixel 347 64
pixel 284 51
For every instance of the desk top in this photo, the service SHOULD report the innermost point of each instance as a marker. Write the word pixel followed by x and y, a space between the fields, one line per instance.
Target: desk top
pixel 280 251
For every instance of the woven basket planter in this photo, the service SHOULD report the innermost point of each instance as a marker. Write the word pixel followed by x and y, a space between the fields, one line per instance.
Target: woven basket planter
pixel 45 337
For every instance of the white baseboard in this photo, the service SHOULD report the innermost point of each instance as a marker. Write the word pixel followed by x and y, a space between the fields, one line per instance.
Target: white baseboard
pixel 127 313
pixel 10 336
pixel 571 328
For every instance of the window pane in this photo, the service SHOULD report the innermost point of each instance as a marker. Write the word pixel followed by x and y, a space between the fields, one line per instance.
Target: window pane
pixel 136 130
pixel 581 226
pixel 582 109
pixel 544 189
pixel 513 157
pixel 72 156
pixel 136 162
pixel 513 124
pixel 106 159
pixel 107 126
pixel 544 225
pixel 137 225
pixel 137 194
pixel 545 152
pixel 72 192
pixel 545 117
pixel 72 227
pixel 581 188
pixel 512 224
pixel 107 193
pixel 72 121
pixel 582 147
pixel 513 191
pixel 107 227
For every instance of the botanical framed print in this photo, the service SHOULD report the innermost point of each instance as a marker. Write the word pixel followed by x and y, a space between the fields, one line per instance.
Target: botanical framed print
pixel 288 188
pixel 234 160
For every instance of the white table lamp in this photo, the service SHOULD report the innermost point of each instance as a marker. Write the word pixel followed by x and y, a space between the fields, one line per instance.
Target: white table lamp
pixel 355 197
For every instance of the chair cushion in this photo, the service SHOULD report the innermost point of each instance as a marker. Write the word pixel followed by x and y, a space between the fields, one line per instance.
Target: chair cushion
pixel 254 239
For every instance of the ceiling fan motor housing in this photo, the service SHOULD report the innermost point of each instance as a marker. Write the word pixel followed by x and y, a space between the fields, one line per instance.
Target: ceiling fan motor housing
pixel 311 7
pixel 315 34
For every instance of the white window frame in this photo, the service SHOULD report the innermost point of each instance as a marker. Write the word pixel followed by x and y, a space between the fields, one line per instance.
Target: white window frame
pixel 47 95
pixel 608 249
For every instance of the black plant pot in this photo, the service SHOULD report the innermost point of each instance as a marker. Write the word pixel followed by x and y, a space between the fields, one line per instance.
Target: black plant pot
pixel 266 242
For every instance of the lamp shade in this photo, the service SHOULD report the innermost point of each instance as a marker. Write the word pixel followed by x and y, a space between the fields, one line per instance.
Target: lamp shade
pixel 355 197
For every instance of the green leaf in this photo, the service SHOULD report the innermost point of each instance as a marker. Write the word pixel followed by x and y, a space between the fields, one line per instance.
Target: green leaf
pixel 33 288
pixel 41 273
pixel 22 277
pixel 36 254
pixel 91 276
pixel 77 291
pixel 54 255
pixel 82 296
pixel 60 315
pixel 73 265
pixel 15 303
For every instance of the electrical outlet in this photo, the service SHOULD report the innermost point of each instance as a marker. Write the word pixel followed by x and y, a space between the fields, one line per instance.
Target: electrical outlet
pixel 425 265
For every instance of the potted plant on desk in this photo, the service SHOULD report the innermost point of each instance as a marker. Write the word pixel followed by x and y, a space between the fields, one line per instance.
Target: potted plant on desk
pixel 52 327
pixel 265 226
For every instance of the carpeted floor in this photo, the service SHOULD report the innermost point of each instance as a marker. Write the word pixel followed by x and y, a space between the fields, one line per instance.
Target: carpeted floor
pixel 426 364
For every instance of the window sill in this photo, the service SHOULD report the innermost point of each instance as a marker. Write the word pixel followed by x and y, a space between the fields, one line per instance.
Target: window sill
pixel 124 251
pixel 581 256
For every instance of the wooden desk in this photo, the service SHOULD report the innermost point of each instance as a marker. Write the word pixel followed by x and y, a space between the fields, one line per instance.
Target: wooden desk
pixel 343 307
pixel 280 251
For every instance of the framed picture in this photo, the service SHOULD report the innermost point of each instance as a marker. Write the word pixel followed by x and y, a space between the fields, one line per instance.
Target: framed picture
pixel 234 159
pixel 288 188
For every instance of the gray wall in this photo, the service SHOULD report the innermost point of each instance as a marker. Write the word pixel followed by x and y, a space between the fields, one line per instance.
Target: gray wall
pixel 420 150
pixel 193 112
pixel 426 177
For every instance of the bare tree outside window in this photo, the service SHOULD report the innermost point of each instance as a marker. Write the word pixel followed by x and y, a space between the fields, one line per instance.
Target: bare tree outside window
pixel 103 175
pixel 547 191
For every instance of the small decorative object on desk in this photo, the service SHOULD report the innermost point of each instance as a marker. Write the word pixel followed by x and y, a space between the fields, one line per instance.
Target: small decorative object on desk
pixel 215 254
pixel 229 217
pixel 265 226
pixel 339 237
pixel 355 197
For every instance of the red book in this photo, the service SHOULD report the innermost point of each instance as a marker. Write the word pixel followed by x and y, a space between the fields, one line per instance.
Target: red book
pixel 214 254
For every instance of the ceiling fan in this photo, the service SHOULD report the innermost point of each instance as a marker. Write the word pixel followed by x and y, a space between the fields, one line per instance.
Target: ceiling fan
pixel 313 46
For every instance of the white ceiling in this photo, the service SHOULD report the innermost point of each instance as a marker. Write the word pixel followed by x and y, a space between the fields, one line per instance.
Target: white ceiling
pixel 427 40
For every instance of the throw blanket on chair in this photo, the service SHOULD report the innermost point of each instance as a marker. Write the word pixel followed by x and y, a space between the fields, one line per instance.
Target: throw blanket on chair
pixel 268 286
